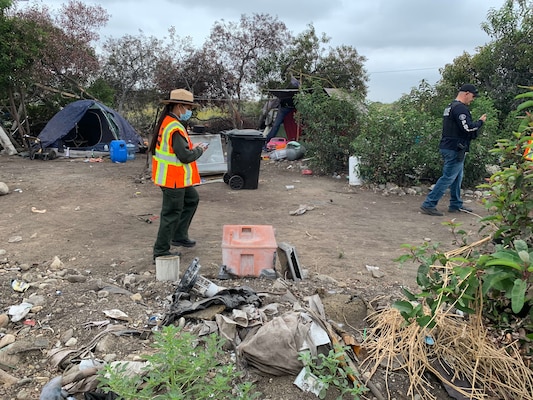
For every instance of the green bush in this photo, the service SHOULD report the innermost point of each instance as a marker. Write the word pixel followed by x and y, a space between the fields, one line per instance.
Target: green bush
pixel 183 367
pixel 397 146
pixel 331 371
pixel 330 124
pixel 511 188
pixel 399 143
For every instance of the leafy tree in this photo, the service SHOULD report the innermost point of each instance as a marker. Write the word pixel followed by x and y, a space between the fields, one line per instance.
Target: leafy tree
pixel 510 54
pixel 454 75
pixel 308 59
pixel 128 65
pixel 102 91
pixel 501 66
pixel 20 48
pixel 197 70
pixel 240 47
pixel 68 59
pixel 168 72
pixel 54 58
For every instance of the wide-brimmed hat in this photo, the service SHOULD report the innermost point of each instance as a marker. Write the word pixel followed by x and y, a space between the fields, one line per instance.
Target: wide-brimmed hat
pixel 180 96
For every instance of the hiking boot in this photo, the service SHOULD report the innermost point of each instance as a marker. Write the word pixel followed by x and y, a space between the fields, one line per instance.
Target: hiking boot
pixel 183 243
pixel 462 209
pixel 431 211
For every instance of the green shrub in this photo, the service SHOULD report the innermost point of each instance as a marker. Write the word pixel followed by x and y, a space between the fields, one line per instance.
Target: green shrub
pixel 504 275
pixel 511 188
pixel 397 146
pixel 399 143
pixel 331 371
pixel 183 367
pixel 330 124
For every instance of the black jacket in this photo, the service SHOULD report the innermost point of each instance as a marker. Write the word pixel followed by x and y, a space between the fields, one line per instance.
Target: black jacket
pixel 458 129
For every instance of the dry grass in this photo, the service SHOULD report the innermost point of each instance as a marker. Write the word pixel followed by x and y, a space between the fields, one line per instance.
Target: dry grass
pixel 462 355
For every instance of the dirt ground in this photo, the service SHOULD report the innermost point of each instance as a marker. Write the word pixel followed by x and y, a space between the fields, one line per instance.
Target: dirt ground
pixel 93 217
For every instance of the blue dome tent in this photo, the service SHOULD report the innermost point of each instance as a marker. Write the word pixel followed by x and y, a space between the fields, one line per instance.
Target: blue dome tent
pixel 87 125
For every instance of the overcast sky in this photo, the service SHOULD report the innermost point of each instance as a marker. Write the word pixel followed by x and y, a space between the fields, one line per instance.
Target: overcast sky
pixel 404 41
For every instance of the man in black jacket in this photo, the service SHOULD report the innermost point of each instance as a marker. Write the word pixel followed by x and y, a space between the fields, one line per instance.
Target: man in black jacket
pixel 458 130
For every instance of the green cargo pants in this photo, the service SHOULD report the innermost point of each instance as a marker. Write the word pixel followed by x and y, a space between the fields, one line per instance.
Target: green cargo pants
pixel 177 211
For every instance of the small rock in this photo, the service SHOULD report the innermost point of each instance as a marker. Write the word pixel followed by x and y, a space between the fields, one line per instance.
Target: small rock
pixel 129 280
pixel 76 278
pixel 376 273
pixel 24 395
pixel 14 239
pixel 117 314
pixel 3 252
pixel 36 309
pixel 67 335
pixel 4 320
pixel 136 297
pixel 36 299
pixel 25 267
pixel 7 339
pixel 106 345
pixel 4 189
pixel 71 342
pixel 56 263
pixel 326 279
pixel 110 357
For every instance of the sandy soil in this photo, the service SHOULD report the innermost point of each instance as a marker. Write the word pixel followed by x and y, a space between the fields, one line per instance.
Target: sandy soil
pixel 100 220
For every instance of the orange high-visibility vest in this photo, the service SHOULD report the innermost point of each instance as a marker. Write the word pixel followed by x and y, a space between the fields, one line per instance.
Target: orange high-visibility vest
pixel 167 170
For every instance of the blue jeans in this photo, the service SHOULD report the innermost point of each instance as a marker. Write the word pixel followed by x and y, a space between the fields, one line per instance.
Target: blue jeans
pixel 280 116
pixel 452 176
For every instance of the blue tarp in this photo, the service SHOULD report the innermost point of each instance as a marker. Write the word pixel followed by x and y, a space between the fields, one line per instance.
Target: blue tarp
pixel 87 124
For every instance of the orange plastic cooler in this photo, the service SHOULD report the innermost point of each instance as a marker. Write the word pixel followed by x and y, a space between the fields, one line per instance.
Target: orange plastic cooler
pixel 248 250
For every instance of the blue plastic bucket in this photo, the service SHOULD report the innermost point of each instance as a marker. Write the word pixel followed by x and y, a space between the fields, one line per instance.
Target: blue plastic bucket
pixel 118 151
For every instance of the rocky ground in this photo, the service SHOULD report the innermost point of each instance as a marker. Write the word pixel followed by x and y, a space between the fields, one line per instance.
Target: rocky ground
pixel 75 258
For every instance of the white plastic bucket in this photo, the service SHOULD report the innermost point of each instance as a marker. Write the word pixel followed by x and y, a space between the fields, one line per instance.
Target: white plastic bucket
pixel 353 166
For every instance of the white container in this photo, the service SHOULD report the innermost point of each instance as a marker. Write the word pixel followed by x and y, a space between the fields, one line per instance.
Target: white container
pixel 167 268
pixel 353 166
pixel 205 287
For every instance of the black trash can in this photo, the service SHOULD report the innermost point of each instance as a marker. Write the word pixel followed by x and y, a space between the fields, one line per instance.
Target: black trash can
pixel 244 147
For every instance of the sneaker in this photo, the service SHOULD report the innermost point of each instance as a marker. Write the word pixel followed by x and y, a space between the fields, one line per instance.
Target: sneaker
pixel 184 243
pixel 431 211
pixel 462 209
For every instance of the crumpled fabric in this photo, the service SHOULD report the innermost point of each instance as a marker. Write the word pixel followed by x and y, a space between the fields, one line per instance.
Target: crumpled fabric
pixel 273 349
pixel 230 298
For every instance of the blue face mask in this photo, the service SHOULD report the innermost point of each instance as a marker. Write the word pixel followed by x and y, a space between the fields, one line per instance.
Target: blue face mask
pixel 186 115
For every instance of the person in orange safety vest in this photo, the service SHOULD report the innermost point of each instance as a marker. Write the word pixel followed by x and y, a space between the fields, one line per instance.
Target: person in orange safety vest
pixel 175 171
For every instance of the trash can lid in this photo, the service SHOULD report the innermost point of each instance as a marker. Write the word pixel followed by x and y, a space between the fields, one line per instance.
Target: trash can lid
pixel 244 132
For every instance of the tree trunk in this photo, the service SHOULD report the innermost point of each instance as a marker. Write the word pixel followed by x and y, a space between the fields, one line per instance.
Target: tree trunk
pixel 5 141
pixel 18 126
